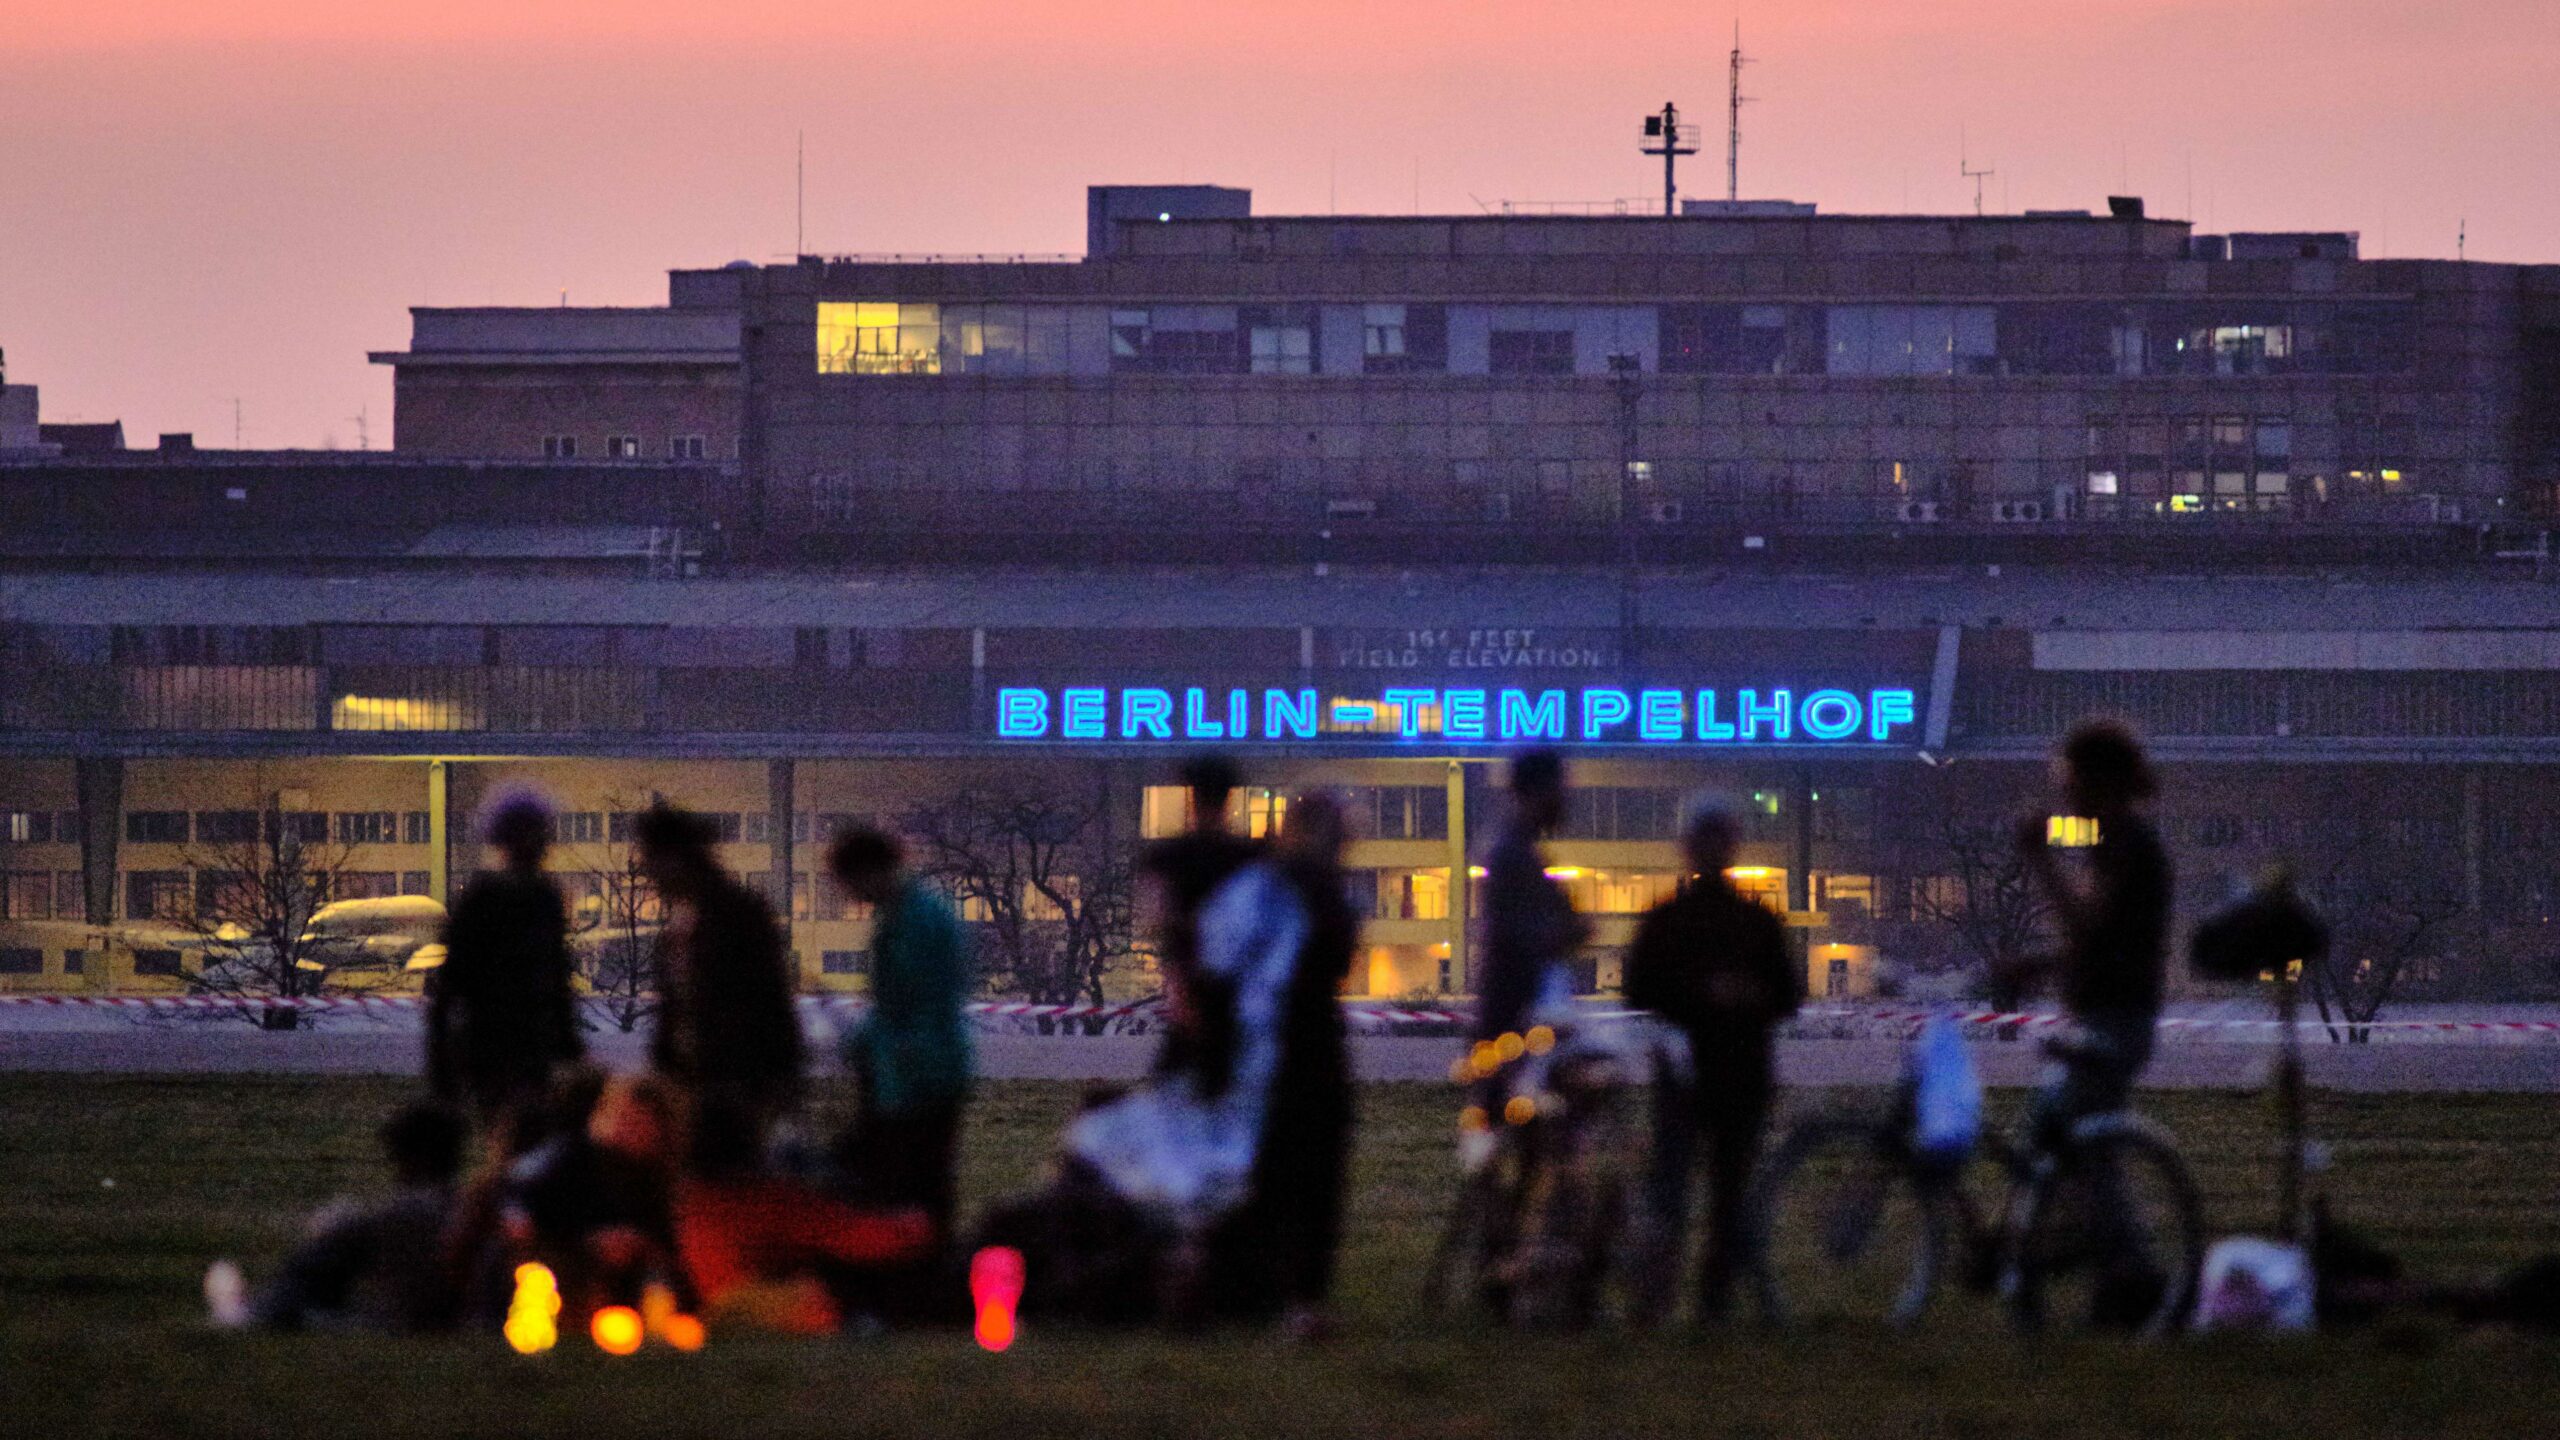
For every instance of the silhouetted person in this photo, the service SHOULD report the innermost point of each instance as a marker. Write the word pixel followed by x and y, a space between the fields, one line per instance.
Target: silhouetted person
pixel 1715 963
pixel 1294 1218
pixel 911 1050
pixel 502 1016
pixel 1185 870
pixel 379 1267
pixel 1530 928
pixel 2115 924
pixel 726 1030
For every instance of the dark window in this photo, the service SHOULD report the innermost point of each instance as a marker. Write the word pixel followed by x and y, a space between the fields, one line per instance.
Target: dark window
pixel 687 447
pixel 1532 352
pixel 844 962
pixel 157 962
pixel 227 827
pixel 369 827
pixel 1177 340
pixel 19 960
pixel 1723 339
pixel 1279 339
pixel 413 827
pixel 211 645
pixel 729 825
pixel 2057 339
pixel 622 447
pixel 305 827
pixel 578 827
pixel 158 895
pixel 156 827
pixel 413 882
pixel 75 962
pixel 27 895
pixel 28 827
pixel 364 885
pixel 1622 813
pixel 1404 339
pixel 559 447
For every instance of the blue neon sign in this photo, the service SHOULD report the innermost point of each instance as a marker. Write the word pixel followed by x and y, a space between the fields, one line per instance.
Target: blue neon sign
pixel 1595 715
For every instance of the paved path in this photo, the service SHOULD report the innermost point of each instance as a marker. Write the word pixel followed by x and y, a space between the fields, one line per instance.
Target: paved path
pixel 364 1046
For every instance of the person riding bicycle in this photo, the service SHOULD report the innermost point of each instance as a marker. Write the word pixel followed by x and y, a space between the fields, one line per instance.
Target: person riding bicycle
pixel 2115 926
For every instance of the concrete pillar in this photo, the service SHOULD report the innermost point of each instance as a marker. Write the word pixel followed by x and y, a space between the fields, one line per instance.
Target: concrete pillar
pixel 1800 872
pixel 1461 890
pixel 98 781
pixel 781 781
pixel 440 831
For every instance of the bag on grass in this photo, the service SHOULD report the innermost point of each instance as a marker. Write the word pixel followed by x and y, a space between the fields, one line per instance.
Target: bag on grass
pixel 1946 1095
pixel 2252 1284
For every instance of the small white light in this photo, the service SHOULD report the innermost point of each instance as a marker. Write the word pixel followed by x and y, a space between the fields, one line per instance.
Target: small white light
pixel 1164 216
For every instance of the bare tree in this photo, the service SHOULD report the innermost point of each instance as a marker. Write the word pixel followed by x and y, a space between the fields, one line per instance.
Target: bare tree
pixel 1983 895
pixel 2391 901
pixel 614 919
pixel 256 888
pixel 1052 893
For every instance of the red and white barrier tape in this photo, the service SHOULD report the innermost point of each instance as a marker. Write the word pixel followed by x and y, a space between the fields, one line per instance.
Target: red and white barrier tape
pixel 1357 1011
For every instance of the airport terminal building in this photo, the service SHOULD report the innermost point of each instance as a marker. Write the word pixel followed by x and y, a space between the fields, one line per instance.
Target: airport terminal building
pixel 1841 517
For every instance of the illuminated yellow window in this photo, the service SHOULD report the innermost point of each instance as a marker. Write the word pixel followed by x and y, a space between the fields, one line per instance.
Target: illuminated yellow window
pixel 2072 831
pixel 879 337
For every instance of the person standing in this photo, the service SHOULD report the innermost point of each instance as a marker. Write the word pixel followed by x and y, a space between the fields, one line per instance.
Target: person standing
pixel 726 1031
pixel 1295 1216
pixel 911 1051
pixel 501 1017
pixel 2115 924
pixel 1715 964
pixel 1183 871
pixel 1530 927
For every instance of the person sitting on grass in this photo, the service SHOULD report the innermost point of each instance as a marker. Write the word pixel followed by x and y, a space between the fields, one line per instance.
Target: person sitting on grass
pixel 376 1267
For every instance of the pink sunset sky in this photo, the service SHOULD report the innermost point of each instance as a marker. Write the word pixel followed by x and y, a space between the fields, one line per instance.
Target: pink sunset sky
pixel 206 202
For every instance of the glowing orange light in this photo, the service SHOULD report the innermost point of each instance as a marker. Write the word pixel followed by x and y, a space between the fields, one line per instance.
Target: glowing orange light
pixel 1460 1072
pixel 1541 1039
pixel 617 1329
pixel 532 1325
pixel 1519 1110
pixel 684 1332
pixel 1509 1046
pixel 996 1277
pixel 1484 1058
pixel 1473 1118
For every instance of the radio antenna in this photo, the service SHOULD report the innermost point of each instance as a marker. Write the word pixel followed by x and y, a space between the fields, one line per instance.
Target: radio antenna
pixel 1964 167
pixel 1733 117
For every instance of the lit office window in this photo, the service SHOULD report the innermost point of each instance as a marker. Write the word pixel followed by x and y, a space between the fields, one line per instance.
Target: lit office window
pixel 2074 832
pixel 879 337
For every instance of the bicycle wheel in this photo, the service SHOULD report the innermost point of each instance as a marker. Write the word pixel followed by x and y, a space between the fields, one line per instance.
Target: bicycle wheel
pixel 1848 1232
pixel 2109 1235
pixel 1465 1265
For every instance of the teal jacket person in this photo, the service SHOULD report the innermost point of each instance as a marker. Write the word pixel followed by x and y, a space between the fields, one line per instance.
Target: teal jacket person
pixel 912 1048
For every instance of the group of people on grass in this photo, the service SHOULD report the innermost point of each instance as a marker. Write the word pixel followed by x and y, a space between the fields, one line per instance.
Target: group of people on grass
pixel 1211 1190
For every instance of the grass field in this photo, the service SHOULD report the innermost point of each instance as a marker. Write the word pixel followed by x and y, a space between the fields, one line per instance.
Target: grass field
pixel 116 1191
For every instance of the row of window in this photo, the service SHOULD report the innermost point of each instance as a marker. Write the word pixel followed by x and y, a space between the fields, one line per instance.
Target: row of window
pixel 629 447
pixel 246 827
pixel 809 647
pixel 2225 338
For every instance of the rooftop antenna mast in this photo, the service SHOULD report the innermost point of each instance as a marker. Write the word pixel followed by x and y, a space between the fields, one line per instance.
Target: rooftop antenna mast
pixel 1733 118
pixel 1964 167
pixel 1672 140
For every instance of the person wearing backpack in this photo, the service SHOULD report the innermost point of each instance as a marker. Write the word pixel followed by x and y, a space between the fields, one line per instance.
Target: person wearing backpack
pixel 1714 963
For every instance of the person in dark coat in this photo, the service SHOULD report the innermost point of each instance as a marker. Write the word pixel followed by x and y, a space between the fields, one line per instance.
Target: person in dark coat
pixel 502 1017
pixel 726 1031
pixel 1714 963
pixel 1530 928
pixel 1183 871
pixel 1296 1209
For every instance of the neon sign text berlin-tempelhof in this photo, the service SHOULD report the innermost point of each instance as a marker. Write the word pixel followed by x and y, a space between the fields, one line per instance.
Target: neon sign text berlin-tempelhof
pixel 1598 715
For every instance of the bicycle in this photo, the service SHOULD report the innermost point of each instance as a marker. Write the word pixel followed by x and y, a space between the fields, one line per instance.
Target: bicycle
pixel 1853 1222
pixel 1550 1208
